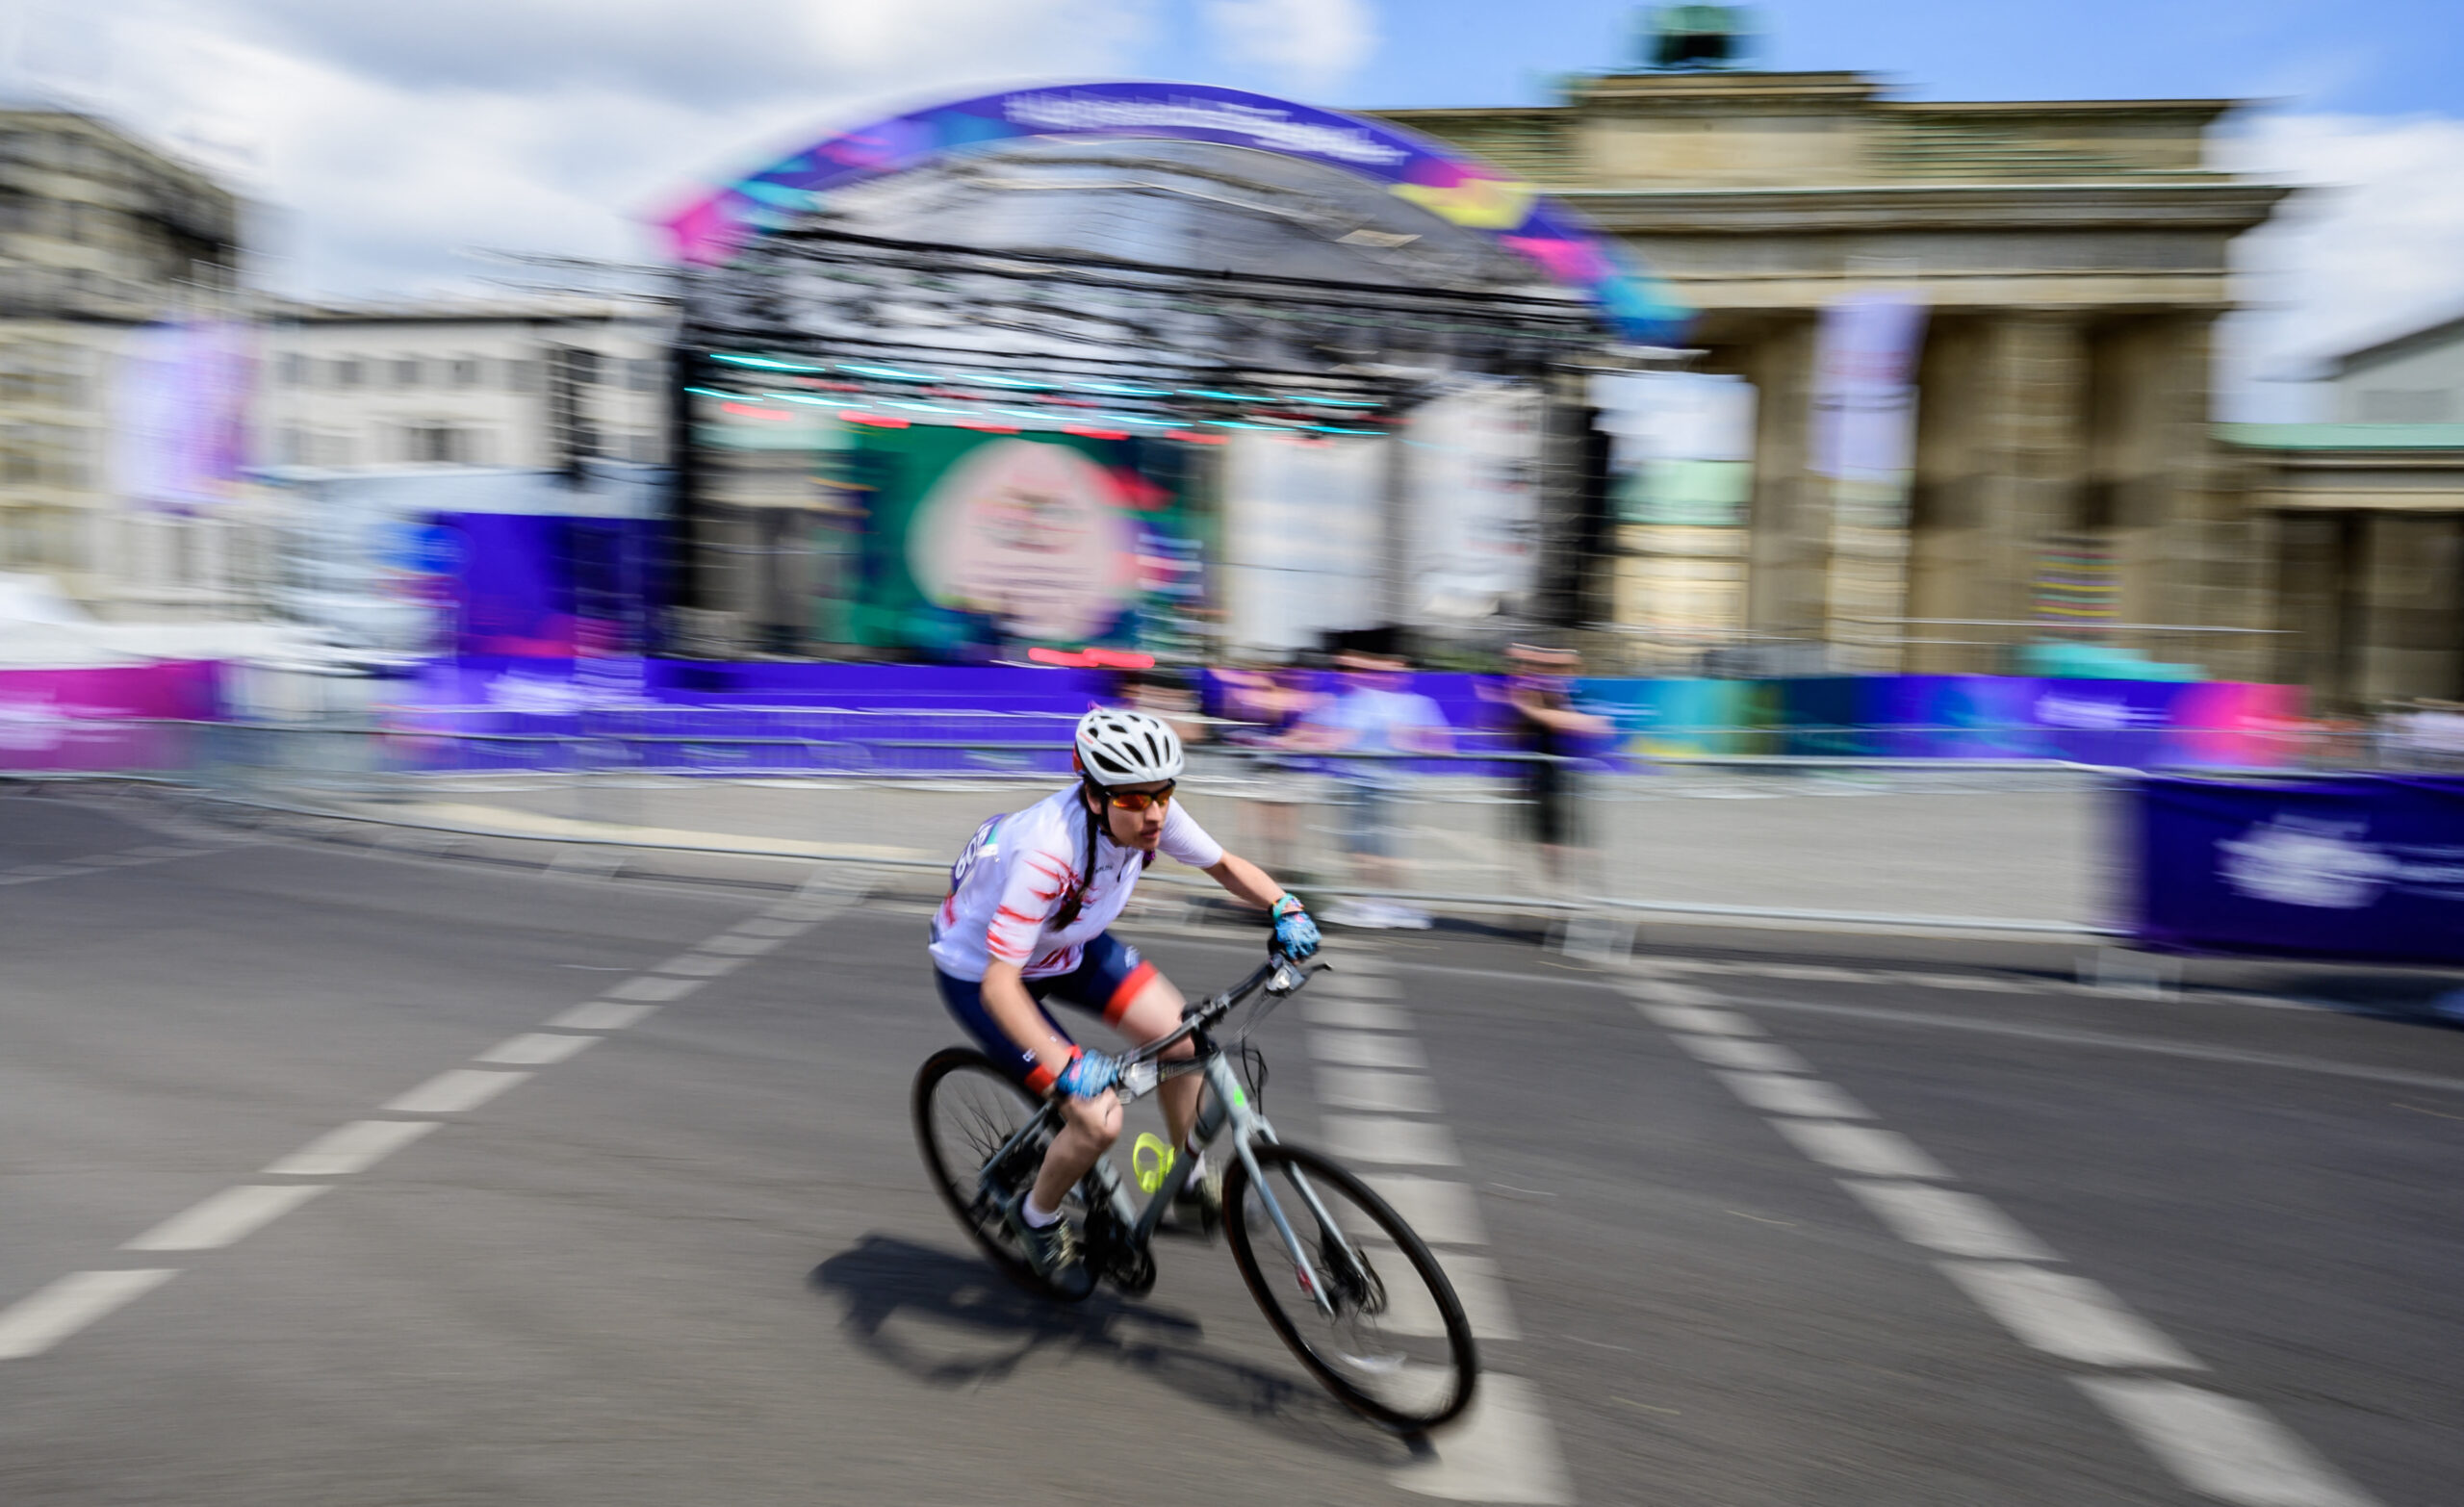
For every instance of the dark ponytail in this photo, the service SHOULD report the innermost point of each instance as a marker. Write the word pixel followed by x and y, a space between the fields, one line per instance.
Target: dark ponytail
pixel 1075 901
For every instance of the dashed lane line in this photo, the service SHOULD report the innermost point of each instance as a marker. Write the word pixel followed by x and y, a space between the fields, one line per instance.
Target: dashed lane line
pixel 1783 1093
pixel 457 1090
pixel 1867 1150
pixel 2219 1446
pixel 537 1048
pixel 600 1015
pixel 1946 1220
pixel 351 1148
pixel 2066 1316
pixel 2222 1446
pixel 1502 1448
pixel 226 1217
pixel 38 1321
pixel 2237 1057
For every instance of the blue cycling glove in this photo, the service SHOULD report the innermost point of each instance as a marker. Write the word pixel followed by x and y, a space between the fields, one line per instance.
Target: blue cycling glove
pixel 1294 931
pixel 1090 1075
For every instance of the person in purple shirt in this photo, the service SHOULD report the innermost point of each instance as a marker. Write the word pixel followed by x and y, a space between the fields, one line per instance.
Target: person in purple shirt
pixel 1375 714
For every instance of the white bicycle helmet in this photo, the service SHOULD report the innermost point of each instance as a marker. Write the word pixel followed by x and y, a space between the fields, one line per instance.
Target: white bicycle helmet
pixel 1127 748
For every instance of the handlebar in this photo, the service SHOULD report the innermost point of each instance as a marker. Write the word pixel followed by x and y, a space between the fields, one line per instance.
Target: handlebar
pixel 1279 976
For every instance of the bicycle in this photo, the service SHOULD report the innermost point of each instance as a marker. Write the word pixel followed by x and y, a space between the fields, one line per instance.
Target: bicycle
pixel 1365 1307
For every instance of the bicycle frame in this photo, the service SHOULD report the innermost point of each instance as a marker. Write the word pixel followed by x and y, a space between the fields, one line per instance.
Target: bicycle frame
pixel 1228 1106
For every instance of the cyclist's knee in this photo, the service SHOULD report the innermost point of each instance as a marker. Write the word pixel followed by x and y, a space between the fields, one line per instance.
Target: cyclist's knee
pixel 1099 1117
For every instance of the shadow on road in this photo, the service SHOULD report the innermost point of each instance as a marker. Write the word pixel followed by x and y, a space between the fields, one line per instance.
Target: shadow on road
pixel 975 1328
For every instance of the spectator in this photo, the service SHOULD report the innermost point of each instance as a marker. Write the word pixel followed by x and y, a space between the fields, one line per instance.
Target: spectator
pixel 1541 721
pixel 1380 721
pixel 1275 702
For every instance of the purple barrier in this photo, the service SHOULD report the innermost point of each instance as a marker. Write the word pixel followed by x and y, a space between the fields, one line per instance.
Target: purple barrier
pixel 75 719
pixel 2359 867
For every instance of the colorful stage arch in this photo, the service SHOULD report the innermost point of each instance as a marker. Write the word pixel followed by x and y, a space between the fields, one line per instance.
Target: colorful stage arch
pixel 1447 184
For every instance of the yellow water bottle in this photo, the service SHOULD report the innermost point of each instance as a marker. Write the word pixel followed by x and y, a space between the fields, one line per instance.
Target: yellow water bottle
pixel 1150 1175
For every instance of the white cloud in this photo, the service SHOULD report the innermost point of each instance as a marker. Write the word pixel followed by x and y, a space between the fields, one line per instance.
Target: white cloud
pixel 1313 45
pixel 2374 247
pixel 385 137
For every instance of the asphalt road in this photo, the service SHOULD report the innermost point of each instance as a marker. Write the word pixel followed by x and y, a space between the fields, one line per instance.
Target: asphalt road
pixel 2116 1250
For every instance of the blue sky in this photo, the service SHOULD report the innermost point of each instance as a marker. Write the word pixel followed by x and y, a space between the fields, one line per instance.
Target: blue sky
pixel 2386 57
pixel 387 141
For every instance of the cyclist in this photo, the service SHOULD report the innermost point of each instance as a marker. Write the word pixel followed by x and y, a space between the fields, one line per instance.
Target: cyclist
pixel 1029 902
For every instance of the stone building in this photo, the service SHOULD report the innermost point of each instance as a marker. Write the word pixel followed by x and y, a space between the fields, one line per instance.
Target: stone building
pixel 532 383
pixel 2073 255
pixel 101 235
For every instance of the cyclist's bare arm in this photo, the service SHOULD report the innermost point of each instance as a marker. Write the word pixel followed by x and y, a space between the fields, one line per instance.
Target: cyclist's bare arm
pixel 1246 880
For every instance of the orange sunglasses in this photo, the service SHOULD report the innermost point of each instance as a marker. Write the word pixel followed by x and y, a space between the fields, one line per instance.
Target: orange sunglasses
pixel 1138 800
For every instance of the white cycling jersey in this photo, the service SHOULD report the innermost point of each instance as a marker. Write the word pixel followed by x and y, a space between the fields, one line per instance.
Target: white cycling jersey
pixel 1016 872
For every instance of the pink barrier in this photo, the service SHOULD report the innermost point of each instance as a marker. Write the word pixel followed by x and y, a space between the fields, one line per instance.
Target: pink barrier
pixel 78 719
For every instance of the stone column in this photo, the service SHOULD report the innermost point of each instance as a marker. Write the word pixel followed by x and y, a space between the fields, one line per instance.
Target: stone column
pixel 2031 465
pixel 2000 471
pixel 1788 519
pixel 2411 585
pixel 2189 552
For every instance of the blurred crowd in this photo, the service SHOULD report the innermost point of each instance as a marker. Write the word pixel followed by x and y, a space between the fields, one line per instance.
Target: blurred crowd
pixel 1339 743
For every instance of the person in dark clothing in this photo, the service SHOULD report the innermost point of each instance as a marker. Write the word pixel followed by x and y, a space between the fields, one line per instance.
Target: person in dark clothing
pixel 1542 720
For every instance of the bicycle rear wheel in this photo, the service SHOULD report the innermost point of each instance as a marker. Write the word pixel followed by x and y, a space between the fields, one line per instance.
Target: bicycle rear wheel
pixel 1395 1347
pixel 965 1110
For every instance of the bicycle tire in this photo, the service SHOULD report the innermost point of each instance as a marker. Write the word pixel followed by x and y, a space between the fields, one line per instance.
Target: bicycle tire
pixel 1337 1370
pixel 946 1077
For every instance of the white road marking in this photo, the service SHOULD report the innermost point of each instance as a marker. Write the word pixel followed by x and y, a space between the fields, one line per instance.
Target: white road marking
pixel 700 965
pixel 1747 1057
pixel 1412 1310
pixel 1775 1093
pixel 656 989
pixel 1356 1014
pixel 772 926
pixel 1860 1148
pixel 1700 1021
pixel 1362 1088
pixel 1662 991
pixel 801 910
pixel 535 1049
pixel 2225 1448
pixel 2066 1316
pixel 351 1148
pixel 42 1320
pixel 1954 1223
pixel 1365 1049
pixel 1439 1211
pixel 1502 1449
pixel 455 1090
pixel 600 1015
pixel 1346 981
pixel 227 1216
pixel 1390 1142
pixel 730 944
pixel 1810 972
pixel 1982 983
pixel 2123 1043
pixel 2222 1446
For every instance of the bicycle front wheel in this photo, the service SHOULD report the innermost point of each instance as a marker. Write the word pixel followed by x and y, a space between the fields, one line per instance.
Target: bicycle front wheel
pixel 1390 1340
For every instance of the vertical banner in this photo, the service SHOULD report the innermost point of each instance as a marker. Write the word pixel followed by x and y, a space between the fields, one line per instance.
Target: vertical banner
pixel 181 415
pixel 1302 533
pixel 1472 514
pixel 1864 421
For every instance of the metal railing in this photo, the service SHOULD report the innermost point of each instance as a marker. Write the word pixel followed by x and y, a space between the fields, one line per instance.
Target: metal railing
pixel 2006 845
